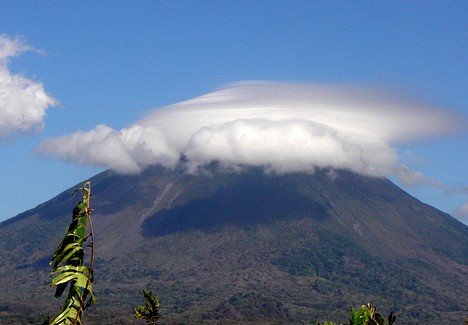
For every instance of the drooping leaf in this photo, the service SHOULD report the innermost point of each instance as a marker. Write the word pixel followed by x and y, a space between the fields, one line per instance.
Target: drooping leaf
pixel 79 279
pixel 69 269
pixel 71 250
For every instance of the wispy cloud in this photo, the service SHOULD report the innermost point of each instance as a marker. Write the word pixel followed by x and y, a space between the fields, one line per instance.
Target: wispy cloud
pixel 462 213
pixel 412 178
pixel 23 102
pixel 460 189
pixel 281 126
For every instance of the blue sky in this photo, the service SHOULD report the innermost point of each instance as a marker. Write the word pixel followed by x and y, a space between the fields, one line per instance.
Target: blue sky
pixel 113 62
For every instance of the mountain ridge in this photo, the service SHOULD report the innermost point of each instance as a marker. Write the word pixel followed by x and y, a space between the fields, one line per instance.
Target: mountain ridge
pixel 249 247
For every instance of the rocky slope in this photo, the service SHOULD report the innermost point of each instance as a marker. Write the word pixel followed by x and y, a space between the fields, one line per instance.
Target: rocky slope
pixel 246 247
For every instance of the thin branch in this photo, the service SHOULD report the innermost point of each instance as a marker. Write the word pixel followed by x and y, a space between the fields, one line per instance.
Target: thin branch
pixel 87 199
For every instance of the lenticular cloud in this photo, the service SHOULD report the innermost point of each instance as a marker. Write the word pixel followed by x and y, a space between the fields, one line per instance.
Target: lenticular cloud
pixel 23 102
pixel 280 126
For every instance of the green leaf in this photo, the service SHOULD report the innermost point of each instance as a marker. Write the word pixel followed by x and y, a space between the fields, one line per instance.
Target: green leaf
pixel 150 310
pixel 79 278
pixel 68 314
pixel 71 268
pixel 68 251
pixel 68 266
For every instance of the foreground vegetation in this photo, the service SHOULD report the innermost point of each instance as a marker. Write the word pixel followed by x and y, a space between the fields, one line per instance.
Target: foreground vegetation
pixel 149 312
pixel 367 315
pixel 68 265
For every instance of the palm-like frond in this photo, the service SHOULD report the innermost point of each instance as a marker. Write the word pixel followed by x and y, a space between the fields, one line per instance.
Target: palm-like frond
pixel 68 265
pixel 150 310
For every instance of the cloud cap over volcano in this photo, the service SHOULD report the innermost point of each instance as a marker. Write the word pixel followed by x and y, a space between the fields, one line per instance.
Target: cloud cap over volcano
pixel 285 127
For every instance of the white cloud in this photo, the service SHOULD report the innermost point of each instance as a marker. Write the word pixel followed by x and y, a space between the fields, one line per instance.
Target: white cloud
pixel 462 213
pixel 411 178
pixel 23 102
pixel 126 151
pixel 281 126
pixel 285 146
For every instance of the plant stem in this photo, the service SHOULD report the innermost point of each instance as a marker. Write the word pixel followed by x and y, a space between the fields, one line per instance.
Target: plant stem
pixel 87 193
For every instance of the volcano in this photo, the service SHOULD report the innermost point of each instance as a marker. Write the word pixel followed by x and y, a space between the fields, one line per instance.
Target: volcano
pixel 245 247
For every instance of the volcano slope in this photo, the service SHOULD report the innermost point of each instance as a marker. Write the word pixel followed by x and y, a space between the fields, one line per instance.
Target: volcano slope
pixel 245 248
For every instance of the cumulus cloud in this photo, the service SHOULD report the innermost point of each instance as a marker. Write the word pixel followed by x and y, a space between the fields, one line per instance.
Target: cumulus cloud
pixel 23 102
pixel 281 126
